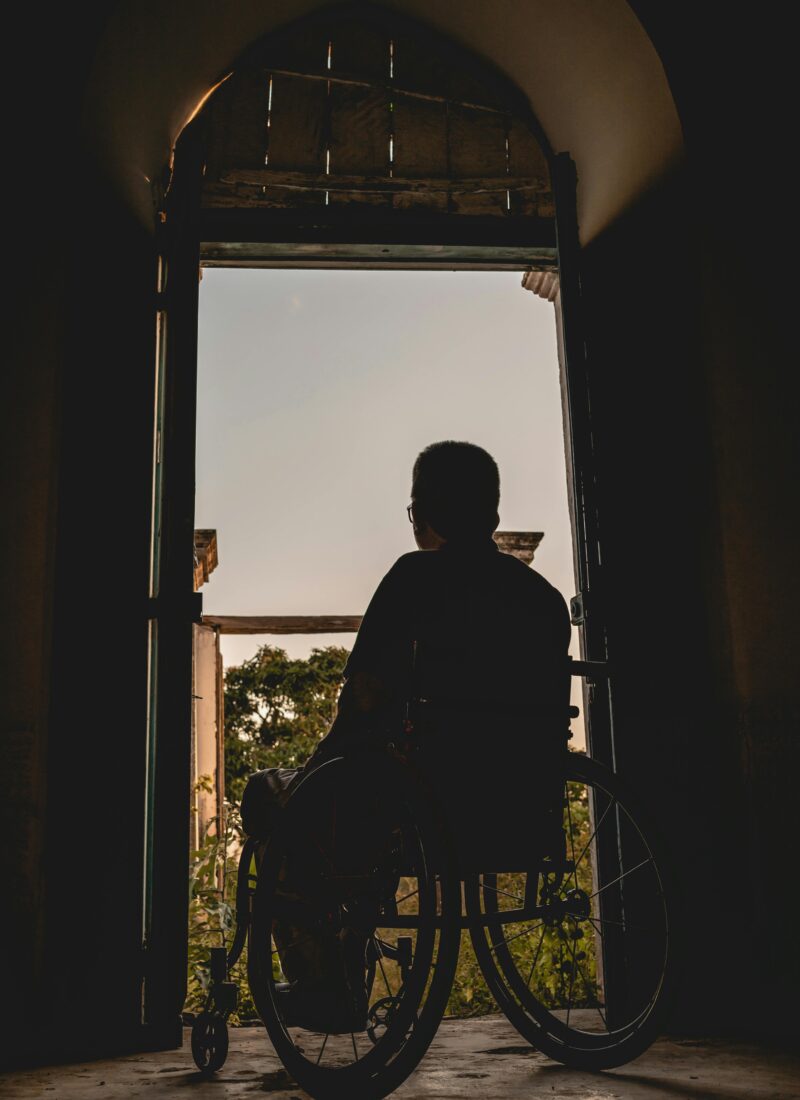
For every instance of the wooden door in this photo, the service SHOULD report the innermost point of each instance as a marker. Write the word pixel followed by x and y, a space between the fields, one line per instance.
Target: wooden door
pixel 587 607
pixel 172 603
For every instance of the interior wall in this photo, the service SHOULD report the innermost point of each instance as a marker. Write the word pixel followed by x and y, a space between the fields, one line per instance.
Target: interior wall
pixel 662 597
pixel 94 831
pixel 80 978
pixel 592 76
pixel 74 498
pixel 746 345
pixel 28 504
pixel 694 465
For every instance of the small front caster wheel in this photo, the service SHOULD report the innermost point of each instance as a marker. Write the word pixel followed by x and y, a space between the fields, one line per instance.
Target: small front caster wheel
pixel 209 1042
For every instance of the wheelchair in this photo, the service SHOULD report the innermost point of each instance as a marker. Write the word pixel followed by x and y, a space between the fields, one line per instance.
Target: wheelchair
pixel 568 906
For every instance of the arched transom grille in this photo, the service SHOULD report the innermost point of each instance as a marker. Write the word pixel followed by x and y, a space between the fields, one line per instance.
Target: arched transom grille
pixel 371 112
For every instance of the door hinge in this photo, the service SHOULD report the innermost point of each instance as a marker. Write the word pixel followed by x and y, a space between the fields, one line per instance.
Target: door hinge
pixel 577 609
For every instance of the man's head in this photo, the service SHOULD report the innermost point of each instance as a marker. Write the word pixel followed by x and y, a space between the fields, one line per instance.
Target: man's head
pixel 455 492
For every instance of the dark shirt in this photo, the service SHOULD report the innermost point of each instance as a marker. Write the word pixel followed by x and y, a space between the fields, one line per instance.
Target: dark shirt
pixel 488 629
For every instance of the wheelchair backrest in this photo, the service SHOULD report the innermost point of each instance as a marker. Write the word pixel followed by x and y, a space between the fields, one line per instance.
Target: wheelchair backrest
pixel 491 733
pixel 488 680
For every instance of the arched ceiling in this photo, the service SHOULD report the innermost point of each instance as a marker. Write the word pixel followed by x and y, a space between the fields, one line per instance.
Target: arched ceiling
pixel 591 74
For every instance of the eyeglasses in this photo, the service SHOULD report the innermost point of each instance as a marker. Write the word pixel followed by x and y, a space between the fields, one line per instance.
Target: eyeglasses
pixel 408 513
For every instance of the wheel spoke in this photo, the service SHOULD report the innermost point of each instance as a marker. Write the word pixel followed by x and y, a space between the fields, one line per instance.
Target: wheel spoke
pixel 619 878
pixel 571 982
pixel 383 972
pixel 626 925
pixel 322 1048
pixel 596 830
pixel 516 936
pixel 560 962
pixel 590 988
pixel 571 837
pixel 498 890
pixel 355 1048
pixel 539 947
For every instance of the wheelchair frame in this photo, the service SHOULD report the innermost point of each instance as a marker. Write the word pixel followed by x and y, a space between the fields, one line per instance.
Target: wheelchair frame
pixel 549 901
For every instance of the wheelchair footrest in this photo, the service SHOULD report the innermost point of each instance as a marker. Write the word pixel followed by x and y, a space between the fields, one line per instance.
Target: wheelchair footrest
pixel 225 996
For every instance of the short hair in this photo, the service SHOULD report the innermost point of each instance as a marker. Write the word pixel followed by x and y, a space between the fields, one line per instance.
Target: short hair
pixel 456 487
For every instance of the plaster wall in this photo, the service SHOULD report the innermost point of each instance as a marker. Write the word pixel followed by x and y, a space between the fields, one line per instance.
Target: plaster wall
pixel 591 74
pixel 206 736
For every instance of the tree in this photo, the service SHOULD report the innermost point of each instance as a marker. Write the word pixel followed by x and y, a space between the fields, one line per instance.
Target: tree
pixel 276 710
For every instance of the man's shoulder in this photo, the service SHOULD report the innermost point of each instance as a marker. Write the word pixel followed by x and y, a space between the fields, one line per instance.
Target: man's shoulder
pixel 513 574
pixel 415 561
pixel 418 562
pixel 526 574
pixel 537 586
pixel 406 571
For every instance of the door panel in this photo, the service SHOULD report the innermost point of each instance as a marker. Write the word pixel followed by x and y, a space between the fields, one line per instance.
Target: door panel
pixel 172 603
pixel 587 607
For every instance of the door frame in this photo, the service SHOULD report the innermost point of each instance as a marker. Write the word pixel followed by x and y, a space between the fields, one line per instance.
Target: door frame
pixel 187 238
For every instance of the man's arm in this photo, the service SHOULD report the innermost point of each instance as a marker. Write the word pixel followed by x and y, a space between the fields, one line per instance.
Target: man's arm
pixel 374 671
pixel 363 695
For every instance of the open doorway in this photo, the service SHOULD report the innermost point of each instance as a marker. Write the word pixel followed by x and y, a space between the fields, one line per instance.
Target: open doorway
pixel 466 194
pixel 316 391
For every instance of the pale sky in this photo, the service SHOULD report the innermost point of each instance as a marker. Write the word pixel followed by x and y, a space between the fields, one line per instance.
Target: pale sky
pixel 316 391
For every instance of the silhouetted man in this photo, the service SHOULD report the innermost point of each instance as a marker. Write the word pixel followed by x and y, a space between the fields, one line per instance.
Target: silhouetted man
pixel 487 627
pixel 491 637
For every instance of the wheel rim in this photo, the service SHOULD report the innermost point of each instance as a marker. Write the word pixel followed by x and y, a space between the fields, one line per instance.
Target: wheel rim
pixel 580 957
pixel 407 938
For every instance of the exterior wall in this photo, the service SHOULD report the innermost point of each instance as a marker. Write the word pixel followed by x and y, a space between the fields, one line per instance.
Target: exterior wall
pixel 206 731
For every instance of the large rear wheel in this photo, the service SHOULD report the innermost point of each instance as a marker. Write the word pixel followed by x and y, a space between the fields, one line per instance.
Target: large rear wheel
pixel 358 891
pixel 577 950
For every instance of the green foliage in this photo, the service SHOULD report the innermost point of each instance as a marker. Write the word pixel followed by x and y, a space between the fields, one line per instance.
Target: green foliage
pixel 566 970
pixel 212 909
pixel 470 994
pixel 277 709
